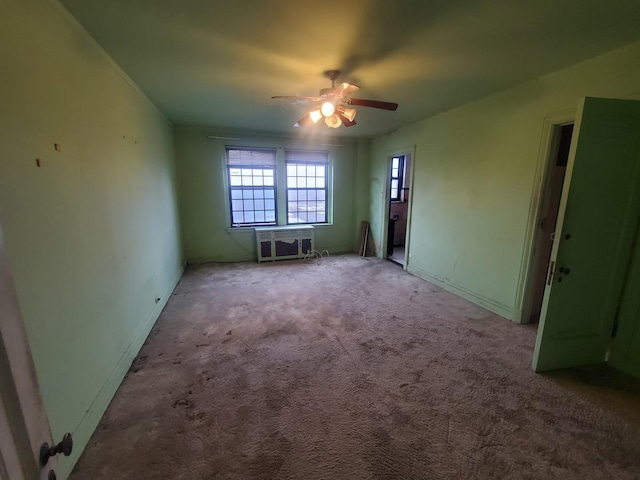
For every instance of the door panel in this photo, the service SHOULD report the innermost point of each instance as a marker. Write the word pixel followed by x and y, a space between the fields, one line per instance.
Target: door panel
pixel 625 349
pixel 594 235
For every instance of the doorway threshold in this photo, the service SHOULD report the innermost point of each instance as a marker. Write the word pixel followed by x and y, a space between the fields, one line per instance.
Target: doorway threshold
pixel 398 256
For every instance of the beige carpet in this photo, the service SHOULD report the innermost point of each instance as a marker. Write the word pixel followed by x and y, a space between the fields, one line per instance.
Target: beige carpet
pixel 353 369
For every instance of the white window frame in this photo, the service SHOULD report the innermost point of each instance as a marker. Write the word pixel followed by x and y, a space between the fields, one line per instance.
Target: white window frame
pixel 302 159
pixel 280 186
pixel 254 165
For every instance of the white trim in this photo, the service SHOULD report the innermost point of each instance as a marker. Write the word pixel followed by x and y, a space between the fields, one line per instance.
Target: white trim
pixel 407 238
pixel 526 271
pixel 384 224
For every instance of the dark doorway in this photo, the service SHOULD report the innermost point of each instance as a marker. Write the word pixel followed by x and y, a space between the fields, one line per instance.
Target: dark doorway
pixel 551 195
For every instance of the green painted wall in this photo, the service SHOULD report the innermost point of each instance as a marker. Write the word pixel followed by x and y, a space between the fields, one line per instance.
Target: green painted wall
pixel 362 186
pixel 203 196
pixel 477 178
pixel 92 234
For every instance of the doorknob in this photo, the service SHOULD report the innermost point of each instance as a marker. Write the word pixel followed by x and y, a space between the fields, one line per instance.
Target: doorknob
pixel 65 447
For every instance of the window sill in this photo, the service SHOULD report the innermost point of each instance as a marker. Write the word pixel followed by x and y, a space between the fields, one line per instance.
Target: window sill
pixel 244 230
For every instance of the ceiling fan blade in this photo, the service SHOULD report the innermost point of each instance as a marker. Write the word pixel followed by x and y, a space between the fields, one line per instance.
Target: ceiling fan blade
pixel 344 89
pixel 298 97
pixel 371 103
pixel 303 121
pixel 346 121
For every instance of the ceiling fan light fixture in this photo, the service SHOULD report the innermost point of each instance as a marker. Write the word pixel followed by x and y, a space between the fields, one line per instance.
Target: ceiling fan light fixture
pixel 349 113
pixel 315 115
pixel 333 121
pixel 328 109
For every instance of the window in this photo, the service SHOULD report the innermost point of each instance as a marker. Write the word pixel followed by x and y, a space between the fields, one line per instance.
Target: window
pixel 306 186
pixel 252 188
pixel 397 172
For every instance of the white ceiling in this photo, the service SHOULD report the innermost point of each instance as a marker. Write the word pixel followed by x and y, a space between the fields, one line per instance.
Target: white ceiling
pixel 217 62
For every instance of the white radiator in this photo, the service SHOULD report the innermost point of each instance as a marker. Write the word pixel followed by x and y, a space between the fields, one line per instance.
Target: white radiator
pixel 281 243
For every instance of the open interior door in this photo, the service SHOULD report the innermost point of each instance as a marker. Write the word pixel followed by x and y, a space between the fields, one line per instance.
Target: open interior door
pixel 625 349
pixel 24 427
pixel 594 236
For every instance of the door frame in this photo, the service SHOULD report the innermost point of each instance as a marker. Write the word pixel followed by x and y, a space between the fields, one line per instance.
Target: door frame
pixel 526 282
pixel 21 408
pixel 409 151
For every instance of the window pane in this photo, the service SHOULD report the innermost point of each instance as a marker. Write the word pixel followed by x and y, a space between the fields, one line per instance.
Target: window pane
pixel 394 173
pixel 306 204
pixel 394 185
pixel 395 163
pixel 394 193
pixel 247 181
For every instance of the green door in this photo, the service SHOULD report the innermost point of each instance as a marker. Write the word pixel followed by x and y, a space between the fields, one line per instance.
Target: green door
pixel 593 237
pixel 625 349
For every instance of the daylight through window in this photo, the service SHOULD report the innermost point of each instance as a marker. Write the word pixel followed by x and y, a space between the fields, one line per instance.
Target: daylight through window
pixel 397 174
pixel 252 186
pixel 306 186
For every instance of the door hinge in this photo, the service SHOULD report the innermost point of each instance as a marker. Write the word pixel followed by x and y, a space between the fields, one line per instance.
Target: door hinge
pixel 550 273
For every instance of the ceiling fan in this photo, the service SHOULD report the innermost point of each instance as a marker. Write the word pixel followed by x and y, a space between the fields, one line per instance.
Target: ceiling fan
pixel 335 104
